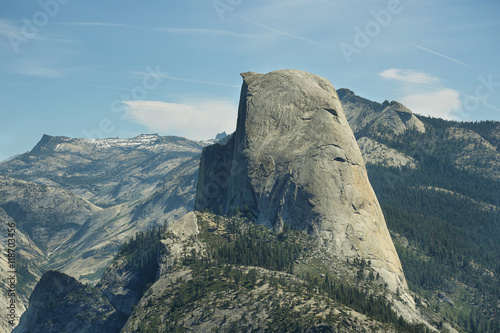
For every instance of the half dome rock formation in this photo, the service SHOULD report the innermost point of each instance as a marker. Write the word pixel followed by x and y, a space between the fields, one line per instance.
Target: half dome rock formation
pixel 294 161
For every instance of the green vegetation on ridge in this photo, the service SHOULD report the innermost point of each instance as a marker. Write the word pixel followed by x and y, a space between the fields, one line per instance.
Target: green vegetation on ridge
pixel 451 218
pixel 243 259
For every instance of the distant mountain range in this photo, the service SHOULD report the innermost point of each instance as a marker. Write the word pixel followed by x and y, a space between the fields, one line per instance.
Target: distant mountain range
pixel 76 201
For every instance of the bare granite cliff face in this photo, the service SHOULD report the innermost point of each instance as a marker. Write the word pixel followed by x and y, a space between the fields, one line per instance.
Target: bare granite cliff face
pixel 294 160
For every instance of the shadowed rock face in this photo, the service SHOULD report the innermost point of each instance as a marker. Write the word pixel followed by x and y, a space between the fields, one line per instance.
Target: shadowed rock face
pixel 60 303
pixel 294 160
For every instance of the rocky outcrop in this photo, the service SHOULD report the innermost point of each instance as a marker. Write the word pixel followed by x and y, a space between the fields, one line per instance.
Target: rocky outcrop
pixel 78 200
pixel 180 241
pixel 48 215
pixel 57 227
pixel 377 153
pixel 294 160
pixel 191 297
pixel 60 303
pixel 393 116
pixel 104 171
pixel 122 286
pixel 476 154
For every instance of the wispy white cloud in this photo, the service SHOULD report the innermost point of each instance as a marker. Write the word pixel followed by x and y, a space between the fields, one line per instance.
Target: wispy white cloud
pixel 39 69
pixel 12 36
pixel 46 68
pixel 409 76
pixel 199 121
pixel 41 53
pixel 16 40
pixel 424 93
pixel 444 103
pixel 7 26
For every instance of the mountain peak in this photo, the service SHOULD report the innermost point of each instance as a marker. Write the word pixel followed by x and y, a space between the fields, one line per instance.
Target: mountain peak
pixel 363 113
pixel 398 107
pixel 294 161
pixel 46 141
pixel 343 92
pixel 220 136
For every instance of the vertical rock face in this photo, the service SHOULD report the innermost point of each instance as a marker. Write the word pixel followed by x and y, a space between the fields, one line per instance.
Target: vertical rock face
pixel 294 160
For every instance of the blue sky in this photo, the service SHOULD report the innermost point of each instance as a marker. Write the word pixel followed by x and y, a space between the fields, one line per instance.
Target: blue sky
pixel 121 68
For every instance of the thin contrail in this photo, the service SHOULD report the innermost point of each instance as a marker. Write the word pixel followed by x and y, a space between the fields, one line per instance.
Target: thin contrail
pixel 442 55
pixel 203 31
pixel 204 82
pixel 129 90
pixel 490 106
pixel 167 76
pixel 100 24
pixel 108 87
pixel 286 33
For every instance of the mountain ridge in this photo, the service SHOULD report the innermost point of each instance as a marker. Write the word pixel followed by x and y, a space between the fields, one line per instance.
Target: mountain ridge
pixel 364 113
pixel 385 149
